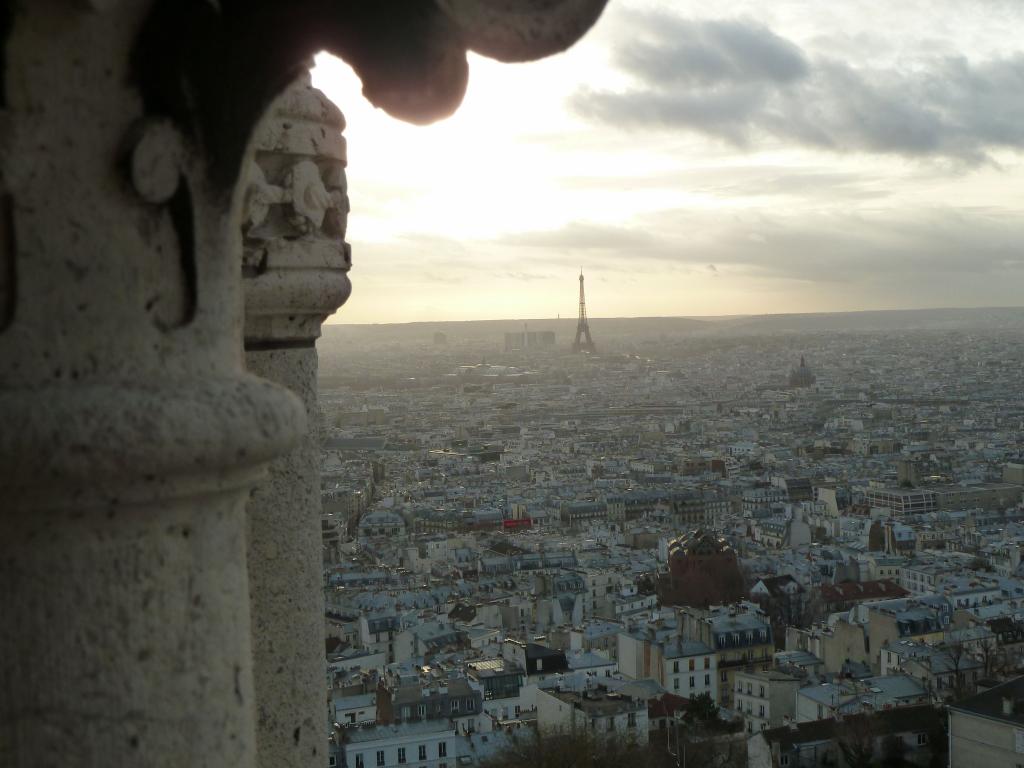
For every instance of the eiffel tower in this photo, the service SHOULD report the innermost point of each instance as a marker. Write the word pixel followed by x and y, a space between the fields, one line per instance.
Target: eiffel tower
pixel 583 341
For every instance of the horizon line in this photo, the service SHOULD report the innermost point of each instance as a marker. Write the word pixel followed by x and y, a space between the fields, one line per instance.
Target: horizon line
pixel 699 318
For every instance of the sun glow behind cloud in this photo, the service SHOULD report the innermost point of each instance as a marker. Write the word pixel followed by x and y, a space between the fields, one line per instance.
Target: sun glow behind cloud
pixel 491 212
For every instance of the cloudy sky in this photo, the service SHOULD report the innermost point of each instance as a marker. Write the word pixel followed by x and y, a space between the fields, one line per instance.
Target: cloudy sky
pixel 706 159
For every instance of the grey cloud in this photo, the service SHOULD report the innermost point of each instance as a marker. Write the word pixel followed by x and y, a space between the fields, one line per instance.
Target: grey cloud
pixel 748 82
pixel 730 181
pixel 943 246
pixel 799 183
pixel 677 50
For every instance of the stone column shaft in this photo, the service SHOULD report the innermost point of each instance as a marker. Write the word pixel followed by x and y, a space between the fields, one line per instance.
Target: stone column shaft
pixel 131 434
pixel 295 262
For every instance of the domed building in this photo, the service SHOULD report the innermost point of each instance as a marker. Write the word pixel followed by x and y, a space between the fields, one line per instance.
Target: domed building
pixel 703 570
pixel 802 377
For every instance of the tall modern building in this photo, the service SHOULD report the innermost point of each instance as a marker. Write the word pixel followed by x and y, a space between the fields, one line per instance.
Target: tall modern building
pixel 516 342
pixel 583 342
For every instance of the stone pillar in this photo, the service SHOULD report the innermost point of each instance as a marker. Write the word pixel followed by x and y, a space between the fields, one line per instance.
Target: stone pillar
pixel 130 431
pixel 295 263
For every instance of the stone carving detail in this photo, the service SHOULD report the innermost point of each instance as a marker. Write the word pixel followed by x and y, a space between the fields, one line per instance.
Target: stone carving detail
pixel 306 204
pixel 294 255
pixel 155 158
pixel 155 161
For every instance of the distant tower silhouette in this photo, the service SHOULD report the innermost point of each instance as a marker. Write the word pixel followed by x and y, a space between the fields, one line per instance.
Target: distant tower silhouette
pixel 803 376
pixel 583 341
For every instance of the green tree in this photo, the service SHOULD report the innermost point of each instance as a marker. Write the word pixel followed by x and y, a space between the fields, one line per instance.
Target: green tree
pixel 894 752
pixel 856 741
pixel 531 749
pixel 703 707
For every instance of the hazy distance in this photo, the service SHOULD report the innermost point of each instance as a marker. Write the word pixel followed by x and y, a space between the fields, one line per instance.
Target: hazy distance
pixel 700 159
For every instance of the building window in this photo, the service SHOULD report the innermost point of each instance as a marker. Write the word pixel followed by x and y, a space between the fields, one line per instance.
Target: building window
pixel 455 705
pixel 332 761
pixel 611 724
pixel 725 676
pixel 421 710
pixel 783 759
pixel 762 692
pixel 380 757
pixel 707 663
pixel 359 761
pixel 401 754
pixel 760 711
pixel 631 720
pixel 675 666
pixel 922 738
pixel 707 679
pixel 675 683
pixel 693 664
pixel 423 752
pixel 442 749
pixel 692 683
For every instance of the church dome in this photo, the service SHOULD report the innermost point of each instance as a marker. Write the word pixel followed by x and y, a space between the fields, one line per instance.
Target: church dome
pixel 698 543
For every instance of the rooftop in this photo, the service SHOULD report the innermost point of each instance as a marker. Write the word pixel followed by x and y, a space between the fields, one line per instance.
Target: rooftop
pixel 369 733
pixel 599 702
pixel 993 702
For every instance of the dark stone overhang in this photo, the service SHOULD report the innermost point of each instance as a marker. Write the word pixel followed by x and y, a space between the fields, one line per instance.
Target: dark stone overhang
pixel 213 66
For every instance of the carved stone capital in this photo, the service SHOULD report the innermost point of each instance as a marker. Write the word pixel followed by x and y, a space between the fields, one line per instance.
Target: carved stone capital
pixel 295 259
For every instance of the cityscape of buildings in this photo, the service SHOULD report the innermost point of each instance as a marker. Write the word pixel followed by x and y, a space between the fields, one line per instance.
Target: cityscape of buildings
pixel 419 538
pixel 770 550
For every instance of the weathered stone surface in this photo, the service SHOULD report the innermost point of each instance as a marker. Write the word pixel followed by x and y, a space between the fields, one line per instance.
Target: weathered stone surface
pixel 286 580
pixel 131 432
pixel 124 635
